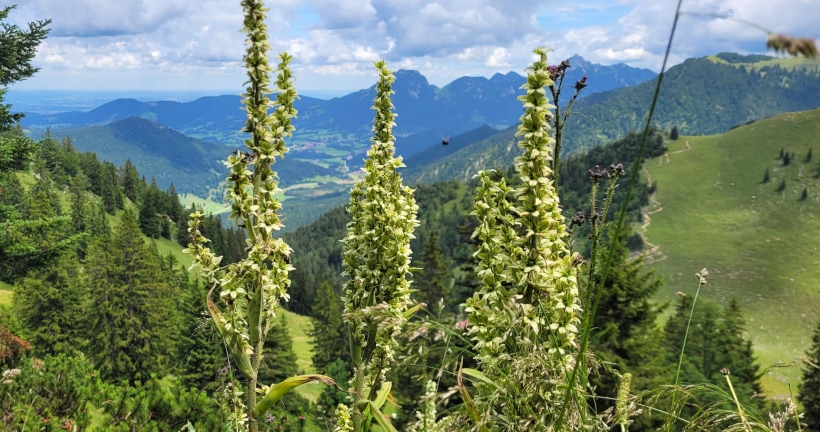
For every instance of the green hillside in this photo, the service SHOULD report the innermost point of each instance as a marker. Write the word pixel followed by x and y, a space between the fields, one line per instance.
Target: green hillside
pixel 158 151
pixel 759 245
pixel 700 96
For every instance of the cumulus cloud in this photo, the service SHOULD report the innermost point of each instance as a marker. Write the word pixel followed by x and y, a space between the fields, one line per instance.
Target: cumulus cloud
pixel 444 39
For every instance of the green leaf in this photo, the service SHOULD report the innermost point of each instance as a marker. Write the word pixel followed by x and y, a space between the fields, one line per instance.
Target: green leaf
pixel 384 394
pixel 472 410
pixel 473 373
pixel 381 419
pixel 276 392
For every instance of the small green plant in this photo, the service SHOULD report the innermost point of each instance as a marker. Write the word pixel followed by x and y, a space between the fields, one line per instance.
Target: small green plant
pixel 674 134
pixel 766 177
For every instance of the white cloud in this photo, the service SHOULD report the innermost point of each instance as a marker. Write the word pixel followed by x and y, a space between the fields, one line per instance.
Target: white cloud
pixel 444 39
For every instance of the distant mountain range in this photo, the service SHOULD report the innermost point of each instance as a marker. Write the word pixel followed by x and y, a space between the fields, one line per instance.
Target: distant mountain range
pixel 464 104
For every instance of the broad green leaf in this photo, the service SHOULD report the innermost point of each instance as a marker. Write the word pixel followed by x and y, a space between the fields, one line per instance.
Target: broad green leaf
pixel 381 419
pixel 473 373
pixel 276 392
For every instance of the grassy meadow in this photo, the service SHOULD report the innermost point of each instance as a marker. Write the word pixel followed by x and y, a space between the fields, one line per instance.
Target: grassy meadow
pixel 759 245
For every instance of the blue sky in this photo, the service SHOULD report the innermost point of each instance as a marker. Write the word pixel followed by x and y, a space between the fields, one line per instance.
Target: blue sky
pixel 196 44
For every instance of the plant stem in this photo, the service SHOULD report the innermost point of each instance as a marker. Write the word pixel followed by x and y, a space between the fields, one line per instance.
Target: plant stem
pixel 737 402
pixel 621 218
pixel 686 334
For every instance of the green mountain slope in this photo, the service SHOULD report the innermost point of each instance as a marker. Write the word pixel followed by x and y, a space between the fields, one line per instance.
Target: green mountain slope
pixel 700 96
pixel 713 211
pixel 157 151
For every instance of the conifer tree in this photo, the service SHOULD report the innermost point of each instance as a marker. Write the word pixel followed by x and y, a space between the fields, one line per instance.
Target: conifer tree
pixel 809 395
pixel 328 332
pixel 787 158
pixel 17 49
pixel 174 207
pixel 200 354
pixel 625 335
pixel 674 134
pixel 433 281
pixel 130 181
pixel 735 353
pixel 782 186
pixel 128 332
pixel 808 156
pixel 150 211
pixel 804 195
pixel 49 305
pixel 280 359
pixel 766 177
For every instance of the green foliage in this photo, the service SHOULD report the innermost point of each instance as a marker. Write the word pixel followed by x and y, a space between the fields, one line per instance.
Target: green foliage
pixel 687 99
pixel 766 176
pixel 674 134
pixel 15 148
pixel 787 159
pixel 49 304
pixel 52 393
pixel 626 337
pixel 716 340
pixel 34 238
pixel 159 405
pixel 804 195
pixel 17 49
pixel 200 354
pixel 128 334
pixel 808 156
pixel 433 281
pixel 279 362
pixel 328 332
pixel 809 396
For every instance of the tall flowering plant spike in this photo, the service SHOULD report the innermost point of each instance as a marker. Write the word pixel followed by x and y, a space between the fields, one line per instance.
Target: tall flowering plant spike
pixel 524 317
pixel 376 256
pixel 251 290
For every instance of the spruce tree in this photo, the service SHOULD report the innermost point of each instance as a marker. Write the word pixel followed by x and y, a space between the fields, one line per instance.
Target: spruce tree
pixel 766 177
pixel 625 335
pixel 787 158
pixel 674 134
pixel 433 281
pixel 782 186
pixel 49 305
pixel 279 362
pixel 151 211
pixel 808 156
pixel 130 181
pixel 328 333
pixel 200 354
pixel 736 354
pixel 174 208
pixel 128 332
pixel 804 195
pixel 809 389
pixel 17 49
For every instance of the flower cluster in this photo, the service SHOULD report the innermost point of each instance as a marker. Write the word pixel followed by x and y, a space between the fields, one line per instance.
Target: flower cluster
pixel 524 317
pixel 376 255
pixel 426 418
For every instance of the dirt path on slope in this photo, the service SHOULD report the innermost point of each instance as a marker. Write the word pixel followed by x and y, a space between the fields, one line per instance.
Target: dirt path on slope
pixel 652 251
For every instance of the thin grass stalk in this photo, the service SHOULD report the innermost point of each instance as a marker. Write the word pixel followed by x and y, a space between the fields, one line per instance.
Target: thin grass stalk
pixel 796 409
pixel 686 334
pixel 737 402
pixel 621 218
